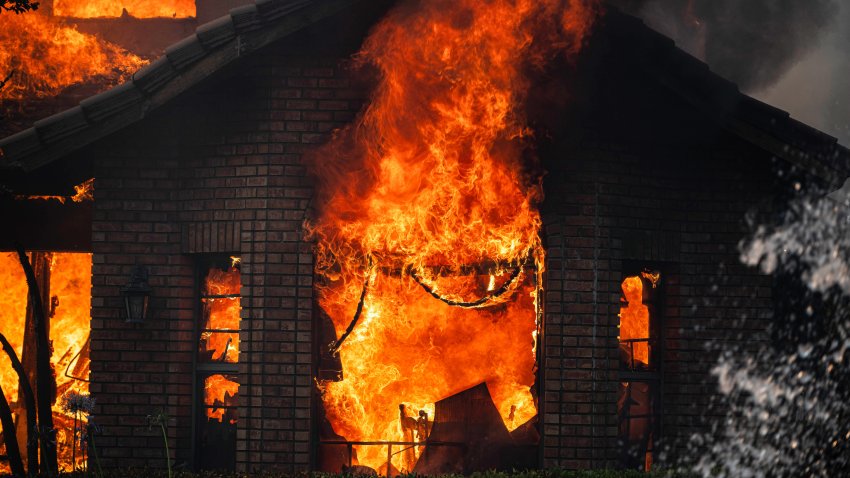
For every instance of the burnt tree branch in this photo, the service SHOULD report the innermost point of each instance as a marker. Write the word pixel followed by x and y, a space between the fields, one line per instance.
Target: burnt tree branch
pixel 13 451
pixel 29 405
pixel 337 344
pixel 6 80
pixel 44 372
pixel 475 303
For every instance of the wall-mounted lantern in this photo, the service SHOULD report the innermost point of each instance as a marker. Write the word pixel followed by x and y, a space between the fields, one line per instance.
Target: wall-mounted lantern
pixel 136 294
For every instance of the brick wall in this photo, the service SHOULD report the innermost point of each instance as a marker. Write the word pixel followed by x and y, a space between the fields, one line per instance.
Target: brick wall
pixel 632 176
pixel 219 172
pixel 649 184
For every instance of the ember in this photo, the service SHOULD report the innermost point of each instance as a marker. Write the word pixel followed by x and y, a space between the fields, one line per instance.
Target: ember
pixel 428 254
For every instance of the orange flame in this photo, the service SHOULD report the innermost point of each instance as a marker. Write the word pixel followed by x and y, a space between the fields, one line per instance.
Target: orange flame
pixel 634 319
pixel 42 56
pixel 135 8
pixel 13 308
pixel 219 392
pixel 82 192
pixel 70 291
pixel 221 312
pixel 429 185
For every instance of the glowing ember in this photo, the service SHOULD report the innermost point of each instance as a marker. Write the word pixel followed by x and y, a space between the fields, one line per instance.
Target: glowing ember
pixel 44 56
pixel 83 192
pixel 634 321
pixel 135 8
pixel 425 189
pixel 70 291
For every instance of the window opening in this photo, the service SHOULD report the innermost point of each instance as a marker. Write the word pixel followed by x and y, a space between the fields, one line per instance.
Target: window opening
pixel 638 404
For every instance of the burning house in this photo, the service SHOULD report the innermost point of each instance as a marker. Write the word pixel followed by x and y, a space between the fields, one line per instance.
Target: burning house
pixel 409 236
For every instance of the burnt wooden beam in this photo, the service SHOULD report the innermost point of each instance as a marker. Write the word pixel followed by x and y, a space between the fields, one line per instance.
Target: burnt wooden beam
pixel 44 371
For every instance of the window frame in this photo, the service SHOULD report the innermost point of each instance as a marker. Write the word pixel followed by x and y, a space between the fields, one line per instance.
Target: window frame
pixel 202 370
pixel 655 376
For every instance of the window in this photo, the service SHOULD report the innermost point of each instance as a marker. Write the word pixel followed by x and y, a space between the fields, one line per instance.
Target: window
pixel 216 370
pixel 638 405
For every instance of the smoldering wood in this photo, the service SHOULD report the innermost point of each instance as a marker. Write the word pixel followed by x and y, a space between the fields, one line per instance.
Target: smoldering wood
pixel 25 395
pixel 44 372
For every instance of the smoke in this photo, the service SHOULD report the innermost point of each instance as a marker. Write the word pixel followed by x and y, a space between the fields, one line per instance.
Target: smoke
pixel 752 43
pixel 789 53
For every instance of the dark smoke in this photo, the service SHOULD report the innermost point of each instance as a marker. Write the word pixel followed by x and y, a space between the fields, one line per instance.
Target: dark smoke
pixel 751 42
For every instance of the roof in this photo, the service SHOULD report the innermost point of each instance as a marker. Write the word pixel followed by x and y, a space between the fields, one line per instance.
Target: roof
pixel 248 28
pixel 767 127
pixel 213 46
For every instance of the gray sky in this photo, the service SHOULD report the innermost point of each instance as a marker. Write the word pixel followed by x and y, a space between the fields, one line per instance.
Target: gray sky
pixel 792 54
pixel 816 90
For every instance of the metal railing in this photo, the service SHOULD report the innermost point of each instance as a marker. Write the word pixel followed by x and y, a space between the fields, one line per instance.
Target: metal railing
pixel 389 444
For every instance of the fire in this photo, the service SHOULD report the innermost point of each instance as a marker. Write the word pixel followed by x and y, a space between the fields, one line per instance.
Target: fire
pixel 427 211
pixel 42 56
pixel 70 291
pixel 220 392
pixel 135 8
pixel 13 307
pixel 634 320
pixel 221 311
pixel 82 192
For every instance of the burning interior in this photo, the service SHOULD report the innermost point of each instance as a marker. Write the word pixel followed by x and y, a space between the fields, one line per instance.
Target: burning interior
pixel 64 279
pixel 429 258
pixel 351 259
pixel 218 354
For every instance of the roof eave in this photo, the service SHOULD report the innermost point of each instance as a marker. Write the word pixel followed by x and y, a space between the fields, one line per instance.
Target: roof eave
pixel 214 45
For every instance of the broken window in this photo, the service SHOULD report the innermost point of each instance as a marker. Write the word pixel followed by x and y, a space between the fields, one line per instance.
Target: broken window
pixel 638 404
pixel 216 370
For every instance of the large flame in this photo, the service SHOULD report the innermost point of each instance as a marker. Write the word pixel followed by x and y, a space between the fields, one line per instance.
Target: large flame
pixel 13 308
pixel 41 56
pixel 70 291
pixel 427 196
pixel 135 8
